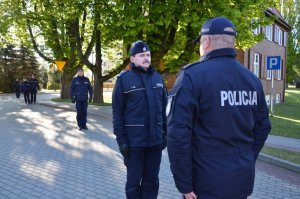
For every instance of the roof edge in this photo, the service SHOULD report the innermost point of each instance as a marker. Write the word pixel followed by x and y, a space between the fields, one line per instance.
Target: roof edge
pixel 279 20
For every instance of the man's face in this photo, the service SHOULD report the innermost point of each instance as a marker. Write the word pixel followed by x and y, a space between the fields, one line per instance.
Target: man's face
pixel 141 59
pixel 80 73
pixel 33 76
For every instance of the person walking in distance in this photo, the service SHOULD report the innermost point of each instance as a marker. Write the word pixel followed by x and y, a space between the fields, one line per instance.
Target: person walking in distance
pixel 17 87
pixel 80 88
pixel 25 89
pixel 34 87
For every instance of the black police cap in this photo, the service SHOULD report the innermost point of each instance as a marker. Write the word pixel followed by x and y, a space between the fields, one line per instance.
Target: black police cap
pixel 138 47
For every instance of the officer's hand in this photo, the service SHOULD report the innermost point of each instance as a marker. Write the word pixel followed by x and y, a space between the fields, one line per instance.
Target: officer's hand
pixel 124 149
pixel 164 145
pixel 73 99
pixel 90 100
pixel 190 195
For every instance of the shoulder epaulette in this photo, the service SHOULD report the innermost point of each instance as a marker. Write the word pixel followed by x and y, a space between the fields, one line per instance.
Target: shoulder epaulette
pixel 190 65
pixel 121 73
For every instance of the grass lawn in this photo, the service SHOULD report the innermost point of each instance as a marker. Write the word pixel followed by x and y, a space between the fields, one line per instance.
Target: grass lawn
pixel 283 154
pixel 286 118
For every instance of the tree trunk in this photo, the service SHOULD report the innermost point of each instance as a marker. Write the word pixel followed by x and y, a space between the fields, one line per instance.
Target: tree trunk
pixel 98 90
pixel 66 79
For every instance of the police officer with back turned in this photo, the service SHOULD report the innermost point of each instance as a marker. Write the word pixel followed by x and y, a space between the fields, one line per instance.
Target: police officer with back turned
pixel 218 120
pixel 139 122
pixel 80 87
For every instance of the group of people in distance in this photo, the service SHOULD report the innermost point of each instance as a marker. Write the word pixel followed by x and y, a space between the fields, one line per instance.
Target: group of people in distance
pixel 29 88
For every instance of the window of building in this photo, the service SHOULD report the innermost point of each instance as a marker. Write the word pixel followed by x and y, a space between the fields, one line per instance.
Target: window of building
pixel 269 32
pixel 268 99
pixel 276 33
pixel 285 37
pixel 280 37
pixel 277 98
pixel 256 64
pixel 256 31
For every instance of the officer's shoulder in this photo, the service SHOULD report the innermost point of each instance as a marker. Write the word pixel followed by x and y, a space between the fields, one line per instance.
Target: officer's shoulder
pixel 191 66
pixel 122 73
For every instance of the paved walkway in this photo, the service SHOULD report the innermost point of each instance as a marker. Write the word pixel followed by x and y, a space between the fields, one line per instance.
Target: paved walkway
pixel 44 156
pixel 283 142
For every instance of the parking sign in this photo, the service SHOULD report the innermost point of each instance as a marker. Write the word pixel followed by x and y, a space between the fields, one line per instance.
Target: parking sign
pixel 273 63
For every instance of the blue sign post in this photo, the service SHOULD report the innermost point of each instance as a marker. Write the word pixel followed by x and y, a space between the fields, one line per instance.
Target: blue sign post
pixel 273 63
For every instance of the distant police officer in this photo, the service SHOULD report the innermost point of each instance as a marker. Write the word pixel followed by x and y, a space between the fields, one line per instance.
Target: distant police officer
pixel 217 120
pixel 25 89
pixel 80 87
pixel 17 87
pixel 34 87
pixel 139 122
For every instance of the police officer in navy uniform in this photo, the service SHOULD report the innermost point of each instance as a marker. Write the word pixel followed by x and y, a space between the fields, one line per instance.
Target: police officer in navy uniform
pixel 218 120
pixel 139 121
pixel 17 87
pixel 80 87
pixel 25 89
pixel 34 87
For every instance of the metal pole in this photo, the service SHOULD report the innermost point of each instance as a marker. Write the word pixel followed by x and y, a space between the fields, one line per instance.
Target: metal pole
pixel 272 93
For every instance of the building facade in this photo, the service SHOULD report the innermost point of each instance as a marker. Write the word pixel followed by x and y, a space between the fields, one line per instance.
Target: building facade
pixel 274 44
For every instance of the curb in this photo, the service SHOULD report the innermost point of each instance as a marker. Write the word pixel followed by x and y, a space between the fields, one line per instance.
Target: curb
pixel 279 162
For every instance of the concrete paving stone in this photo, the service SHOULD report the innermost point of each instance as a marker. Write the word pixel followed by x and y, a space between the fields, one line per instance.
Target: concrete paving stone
pixel 4 192
pixel 89 197
pixel 36 194
pixel 13 196
pixel 57 191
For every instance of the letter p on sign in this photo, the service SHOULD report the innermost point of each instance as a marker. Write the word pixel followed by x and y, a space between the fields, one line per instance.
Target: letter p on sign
pixel 273 63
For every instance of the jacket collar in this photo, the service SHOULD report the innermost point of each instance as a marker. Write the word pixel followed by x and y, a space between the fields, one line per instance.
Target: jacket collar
pixel 222 52
pixel 140 69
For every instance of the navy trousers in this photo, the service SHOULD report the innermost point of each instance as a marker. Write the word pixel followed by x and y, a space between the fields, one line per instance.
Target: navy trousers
pixel 17 93
pixel 33 96
pixel 26 97
pixel 81 107
pixel 143 166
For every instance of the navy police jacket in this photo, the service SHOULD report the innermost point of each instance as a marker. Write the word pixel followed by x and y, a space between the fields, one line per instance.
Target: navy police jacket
pixel 217 124
pixel 80 87
pixel 34 85
pixel 138 103
pixel 25 87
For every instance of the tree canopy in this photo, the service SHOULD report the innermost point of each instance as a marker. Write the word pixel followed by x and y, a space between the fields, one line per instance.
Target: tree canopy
pixel 16 63
pixel 291 13
pixel 72 29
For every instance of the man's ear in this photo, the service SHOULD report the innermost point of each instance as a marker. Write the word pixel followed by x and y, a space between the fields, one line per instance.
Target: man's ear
pixel 206 42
